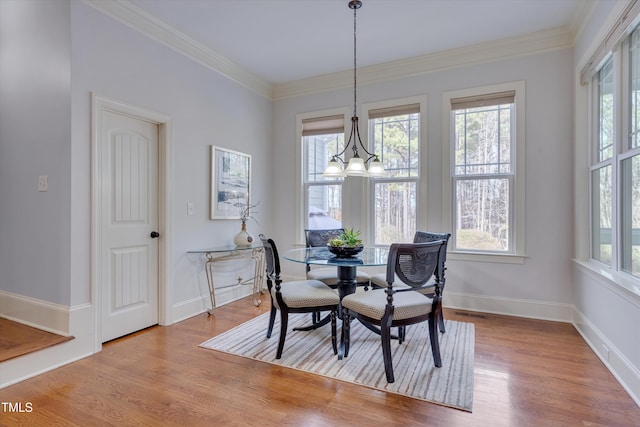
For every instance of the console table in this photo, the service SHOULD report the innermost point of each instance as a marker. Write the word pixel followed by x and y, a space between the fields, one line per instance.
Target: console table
pixel 222 253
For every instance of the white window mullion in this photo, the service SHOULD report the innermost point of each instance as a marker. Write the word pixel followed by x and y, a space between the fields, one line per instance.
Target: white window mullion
pixel 476 178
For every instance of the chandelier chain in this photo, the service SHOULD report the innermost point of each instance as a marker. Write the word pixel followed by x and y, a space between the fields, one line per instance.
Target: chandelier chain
pixel 355 79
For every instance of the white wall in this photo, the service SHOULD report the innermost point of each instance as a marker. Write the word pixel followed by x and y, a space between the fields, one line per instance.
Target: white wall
pixel 542 284
pixel 607 313
pixel 35 130
pixel 206 108
pixel 54 56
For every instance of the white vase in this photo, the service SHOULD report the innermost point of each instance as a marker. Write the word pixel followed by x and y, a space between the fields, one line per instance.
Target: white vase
pixel 243 238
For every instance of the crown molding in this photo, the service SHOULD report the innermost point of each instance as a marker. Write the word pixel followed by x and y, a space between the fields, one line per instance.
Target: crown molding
pixel 129 14
pixel 544 41
pixel 581 17
pixel 481 53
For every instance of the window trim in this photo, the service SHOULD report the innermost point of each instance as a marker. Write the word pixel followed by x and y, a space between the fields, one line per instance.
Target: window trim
pixel 620 58
pixel 517 255
pixel 301 205
pixel 420 180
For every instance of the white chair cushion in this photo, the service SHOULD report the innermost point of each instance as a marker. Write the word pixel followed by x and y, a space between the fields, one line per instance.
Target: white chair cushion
pixel 329 276
pixel 306 293
pixel 372 304
pixel 380 281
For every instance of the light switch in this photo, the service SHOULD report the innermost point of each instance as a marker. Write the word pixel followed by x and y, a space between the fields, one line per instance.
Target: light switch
pixel 43 183
pixel 189 208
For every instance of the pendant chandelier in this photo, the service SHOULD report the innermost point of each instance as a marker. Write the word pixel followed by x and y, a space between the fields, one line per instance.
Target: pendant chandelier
pixel 357 165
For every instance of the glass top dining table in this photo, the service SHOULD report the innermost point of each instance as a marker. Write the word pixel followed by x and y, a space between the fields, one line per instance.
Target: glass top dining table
pixel 370 256
pixel 346 267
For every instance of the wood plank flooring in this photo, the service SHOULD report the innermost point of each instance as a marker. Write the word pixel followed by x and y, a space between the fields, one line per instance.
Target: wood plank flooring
pixel 17 339
pixel 527 373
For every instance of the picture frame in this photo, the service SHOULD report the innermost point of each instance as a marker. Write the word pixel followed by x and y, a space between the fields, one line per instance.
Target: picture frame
pixel 230 182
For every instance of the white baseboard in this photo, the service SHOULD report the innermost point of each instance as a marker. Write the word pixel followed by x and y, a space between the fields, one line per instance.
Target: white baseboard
pixel 509 306
pixel 195 306
pixel 81 327
pixel 33 312
pixel 621 368
pixel 506 306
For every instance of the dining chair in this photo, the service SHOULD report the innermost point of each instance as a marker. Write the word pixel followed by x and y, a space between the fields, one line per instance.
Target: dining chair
pixel 301 296
pixel 380 280
pixel 328 275
pixel 411 264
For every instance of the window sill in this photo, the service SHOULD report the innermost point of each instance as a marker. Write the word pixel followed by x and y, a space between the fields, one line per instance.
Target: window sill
pixel 604 273
pixel 486 257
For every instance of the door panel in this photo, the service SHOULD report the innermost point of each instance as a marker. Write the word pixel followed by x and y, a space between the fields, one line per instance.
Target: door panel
pixel 129 214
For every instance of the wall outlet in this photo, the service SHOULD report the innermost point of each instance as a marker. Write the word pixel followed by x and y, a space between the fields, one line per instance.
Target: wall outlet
pixel 605 352
pixel 43 183
pixel 190 208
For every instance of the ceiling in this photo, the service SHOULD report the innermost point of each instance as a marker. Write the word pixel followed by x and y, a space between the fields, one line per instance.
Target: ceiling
pixel 286 40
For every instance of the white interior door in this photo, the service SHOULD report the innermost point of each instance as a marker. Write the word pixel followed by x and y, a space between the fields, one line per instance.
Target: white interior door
pixel 129 212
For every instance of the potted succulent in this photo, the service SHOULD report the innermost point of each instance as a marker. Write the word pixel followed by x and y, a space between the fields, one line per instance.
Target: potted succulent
pixel 347 244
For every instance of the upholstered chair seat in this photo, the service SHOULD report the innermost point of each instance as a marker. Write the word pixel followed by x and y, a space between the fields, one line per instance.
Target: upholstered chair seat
pixel 373 304
pixel 305 293
pixel 379 281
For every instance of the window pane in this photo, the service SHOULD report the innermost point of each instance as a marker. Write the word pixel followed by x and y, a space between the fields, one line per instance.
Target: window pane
pixel 482 214
pixel 483 140
pixel 395 212
pixel 631 215
pixel 320 149
pixel 325 206
pixel 396 140
pixel 605 111
pixel 602 214
pixel 634 98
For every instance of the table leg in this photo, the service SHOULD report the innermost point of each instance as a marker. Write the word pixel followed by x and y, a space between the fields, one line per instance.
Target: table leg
pixel 208 266
pixel 258 275
pixel 346 285
pixel 314 325
pixel 346 280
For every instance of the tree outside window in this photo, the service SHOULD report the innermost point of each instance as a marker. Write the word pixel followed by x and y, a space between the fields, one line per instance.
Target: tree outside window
pixel 395 135
pixel 483 137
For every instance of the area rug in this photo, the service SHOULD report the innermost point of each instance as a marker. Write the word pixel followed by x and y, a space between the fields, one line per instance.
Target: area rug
pixel 415 375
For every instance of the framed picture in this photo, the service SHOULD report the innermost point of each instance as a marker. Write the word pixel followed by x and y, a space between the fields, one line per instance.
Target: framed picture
pixel 230 178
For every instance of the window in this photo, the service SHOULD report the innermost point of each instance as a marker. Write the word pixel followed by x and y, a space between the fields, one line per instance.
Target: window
pixel 615 164
pixel 630 168
pixel 484 193
pixel 394 134
pixel 601 171
pixel 322 137
pixel 385 210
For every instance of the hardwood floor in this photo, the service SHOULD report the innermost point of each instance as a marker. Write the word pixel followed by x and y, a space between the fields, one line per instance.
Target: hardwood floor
pixel 527 373
pixel 17 339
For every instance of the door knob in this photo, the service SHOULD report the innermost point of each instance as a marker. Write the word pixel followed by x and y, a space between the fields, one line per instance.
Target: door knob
pixel 154 234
